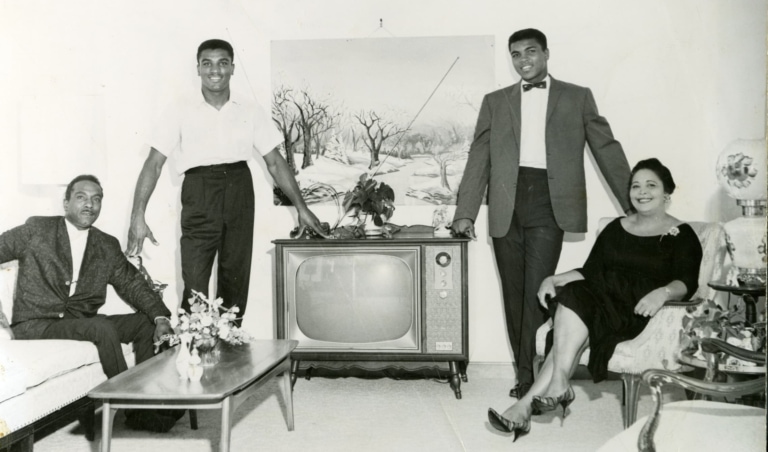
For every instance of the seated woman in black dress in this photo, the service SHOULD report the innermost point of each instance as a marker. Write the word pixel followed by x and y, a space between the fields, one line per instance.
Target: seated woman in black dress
pixel 638 262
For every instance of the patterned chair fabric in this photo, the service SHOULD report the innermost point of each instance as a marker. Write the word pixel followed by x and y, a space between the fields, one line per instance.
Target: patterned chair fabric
pixel 657 347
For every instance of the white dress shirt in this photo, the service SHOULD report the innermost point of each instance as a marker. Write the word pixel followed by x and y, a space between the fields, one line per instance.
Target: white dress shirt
pixel 533 109
pixel 77 241
pixel 197 134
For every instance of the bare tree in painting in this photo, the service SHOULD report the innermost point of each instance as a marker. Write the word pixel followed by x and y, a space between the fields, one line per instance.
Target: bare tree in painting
pixel 311 112
pixel 418 143
pixel 443 160
pixel 354 138
pixel 452 146
pixel 285 117
pixel 377 131
pixel 461 97
pixel 324 124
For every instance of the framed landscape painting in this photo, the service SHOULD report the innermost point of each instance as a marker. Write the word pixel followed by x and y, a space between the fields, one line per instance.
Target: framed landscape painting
pixel 401 110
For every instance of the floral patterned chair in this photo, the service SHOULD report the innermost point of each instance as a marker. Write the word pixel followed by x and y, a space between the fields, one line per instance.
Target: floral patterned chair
pixel 658 345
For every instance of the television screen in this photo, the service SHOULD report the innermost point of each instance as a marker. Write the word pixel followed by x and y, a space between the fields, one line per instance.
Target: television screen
pixel 356 298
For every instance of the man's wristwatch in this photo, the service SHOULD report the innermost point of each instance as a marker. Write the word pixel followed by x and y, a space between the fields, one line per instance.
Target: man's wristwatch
pixel 162 318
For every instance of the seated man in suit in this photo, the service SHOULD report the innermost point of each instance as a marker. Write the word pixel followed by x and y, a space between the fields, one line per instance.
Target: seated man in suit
pixel 65 265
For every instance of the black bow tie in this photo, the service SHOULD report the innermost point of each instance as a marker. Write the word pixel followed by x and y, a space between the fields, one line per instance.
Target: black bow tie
pixel 528 86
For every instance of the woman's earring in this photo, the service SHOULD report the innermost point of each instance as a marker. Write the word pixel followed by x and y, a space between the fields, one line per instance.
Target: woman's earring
pixel 667 199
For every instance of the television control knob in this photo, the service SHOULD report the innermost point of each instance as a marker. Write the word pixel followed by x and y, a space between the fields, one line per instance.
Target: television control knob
pixel 443 283
pixel 443 294
pixel 442 273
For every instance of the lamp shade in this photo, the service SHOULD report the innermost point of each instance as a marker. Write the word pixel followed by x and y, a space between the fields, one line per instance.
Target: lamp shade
pixel 741 169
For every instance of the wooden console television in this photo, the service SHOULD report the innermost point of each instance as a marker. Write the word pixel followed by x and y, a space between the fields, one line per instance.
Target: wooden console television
pixel 375 299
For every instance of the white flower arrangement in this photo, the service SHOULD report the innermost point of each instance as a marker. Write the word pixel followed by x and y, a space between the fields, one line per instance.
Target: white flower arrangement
pixel 207 322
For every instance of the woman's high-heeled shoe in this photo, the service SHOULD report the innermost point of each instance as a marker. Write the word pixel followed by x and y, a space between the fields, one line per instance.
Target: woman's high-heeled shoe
pixel 550 403
pixel 503 424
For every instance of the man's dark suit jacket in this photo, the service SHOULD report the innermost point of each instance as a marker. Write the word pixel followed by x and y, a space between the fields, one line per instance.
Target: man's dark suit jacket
pixel 494 156
pixel 45 271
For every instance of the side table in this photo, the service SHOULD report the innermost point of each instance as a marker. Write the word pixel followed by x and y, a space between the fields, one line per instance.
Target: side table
pixel 717 369
pixel 748 292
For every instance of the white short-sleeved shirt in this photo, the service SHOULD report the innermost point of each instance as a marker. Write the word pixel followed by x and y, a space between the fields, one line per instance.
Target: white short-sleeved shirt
pixel 195 133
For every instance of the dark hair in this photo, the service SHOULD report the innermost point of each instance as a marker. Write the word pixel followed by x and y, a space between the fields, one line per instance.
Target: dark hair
pixel 661 171
pixel 80 178
pixel 528 33
pixel 213 44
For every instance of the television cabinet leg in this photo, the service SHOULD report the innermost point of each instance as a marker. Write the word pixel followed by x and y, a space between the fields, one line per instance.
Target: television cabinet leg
pixel 463 366
pixel 294 372
pixel 455 379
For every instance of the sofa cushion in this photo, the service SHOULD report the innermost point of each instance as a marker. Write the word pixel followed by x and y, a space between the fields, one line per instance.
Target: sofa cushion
pixel 12 378
pixel 8 272
pixel 5 328
pixel 7 285
pixel 45 359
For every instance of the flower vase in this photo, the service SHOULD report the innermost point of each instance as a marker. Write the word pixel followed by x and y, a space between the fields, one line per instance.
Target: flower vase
pixel 209 351
pixel 370 228
pixel 195 368
pixel 182 359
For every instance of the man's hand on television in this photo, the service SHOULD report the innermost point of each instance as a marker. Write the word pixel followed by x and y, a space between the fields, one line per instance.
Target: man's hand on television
pixel 464 227
pixel 308 220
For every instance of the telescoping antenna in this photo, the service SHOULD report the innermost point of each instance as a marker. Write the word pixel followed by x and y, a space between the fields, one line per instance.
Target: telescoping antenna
pixel 417 115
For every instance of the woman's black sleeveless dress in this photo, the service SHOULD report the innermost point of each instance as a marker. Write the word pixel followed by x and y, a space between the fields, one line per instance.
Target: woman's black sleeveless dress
pixel 620 270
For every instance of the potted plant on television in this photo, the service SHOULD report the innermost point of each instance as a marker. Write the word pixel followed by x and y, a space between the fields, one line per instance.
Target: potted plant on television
pixel 371 203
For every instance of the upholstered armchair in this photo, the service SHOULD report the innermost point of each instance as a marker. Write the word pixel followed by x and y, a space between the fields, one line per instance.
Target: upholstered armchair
pixel 698 424
pixel 658 345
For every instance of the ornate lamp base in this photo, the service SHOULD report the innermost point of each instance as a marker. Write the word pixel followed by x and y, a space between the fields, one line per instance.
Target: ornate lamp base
pixel 746 241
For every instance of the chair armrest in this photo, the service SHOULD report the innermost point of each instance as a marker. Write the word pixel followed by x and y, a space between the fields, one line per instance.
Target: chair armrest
pixel 713 345
pixel 656 378
pixel 659 377
pixel 684 304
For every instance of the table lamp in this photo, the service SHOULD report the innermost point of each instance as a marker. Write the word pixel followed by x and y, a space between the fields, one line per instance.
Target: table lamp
pixel 741 171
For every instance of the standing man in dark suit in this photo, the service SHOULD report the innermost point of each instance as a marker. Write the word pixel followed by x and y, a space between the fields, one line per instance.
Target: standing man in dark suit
pixel 65 265
pixel 528 152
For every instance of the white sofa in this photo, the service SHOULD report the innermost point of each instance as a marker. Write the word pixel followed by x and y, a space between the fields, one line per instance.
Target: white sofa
pixel 43 380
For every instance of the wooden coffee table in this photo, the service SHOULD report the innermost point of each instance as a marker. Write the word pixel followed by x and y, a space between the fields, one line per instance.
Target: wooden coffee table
pixel 155 383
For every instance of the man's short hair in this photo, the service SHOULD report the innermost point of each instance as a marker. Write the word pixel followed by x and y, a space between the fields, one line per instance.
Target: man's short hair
pixel 213 44
pixel 528 33
pixel 82 177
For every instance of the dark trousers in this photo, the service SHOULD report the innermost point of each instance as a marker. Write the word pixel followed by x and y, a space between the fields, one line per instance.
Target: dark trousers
pixel 525 256
pixel 217 208
pixel 106 332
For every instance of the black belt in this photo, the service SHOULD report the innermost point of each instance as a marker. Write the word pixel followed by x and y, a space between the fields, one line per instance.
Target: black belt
pixel 220 168
pixel 532 170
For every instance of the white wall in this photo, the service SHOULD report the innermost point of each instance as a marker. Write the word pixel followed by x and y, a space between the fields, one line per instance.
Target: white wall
pixel 677 80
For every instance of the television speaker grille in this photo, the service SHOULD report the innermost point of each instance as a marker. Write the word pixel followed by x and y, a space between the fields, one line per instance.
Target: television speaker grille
pixel 442 302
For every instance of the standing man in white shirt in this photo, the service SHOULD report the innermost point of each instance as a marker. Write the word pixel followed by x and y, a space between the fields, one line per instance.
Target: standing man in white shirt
pixel 211 136
pixel 528 154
